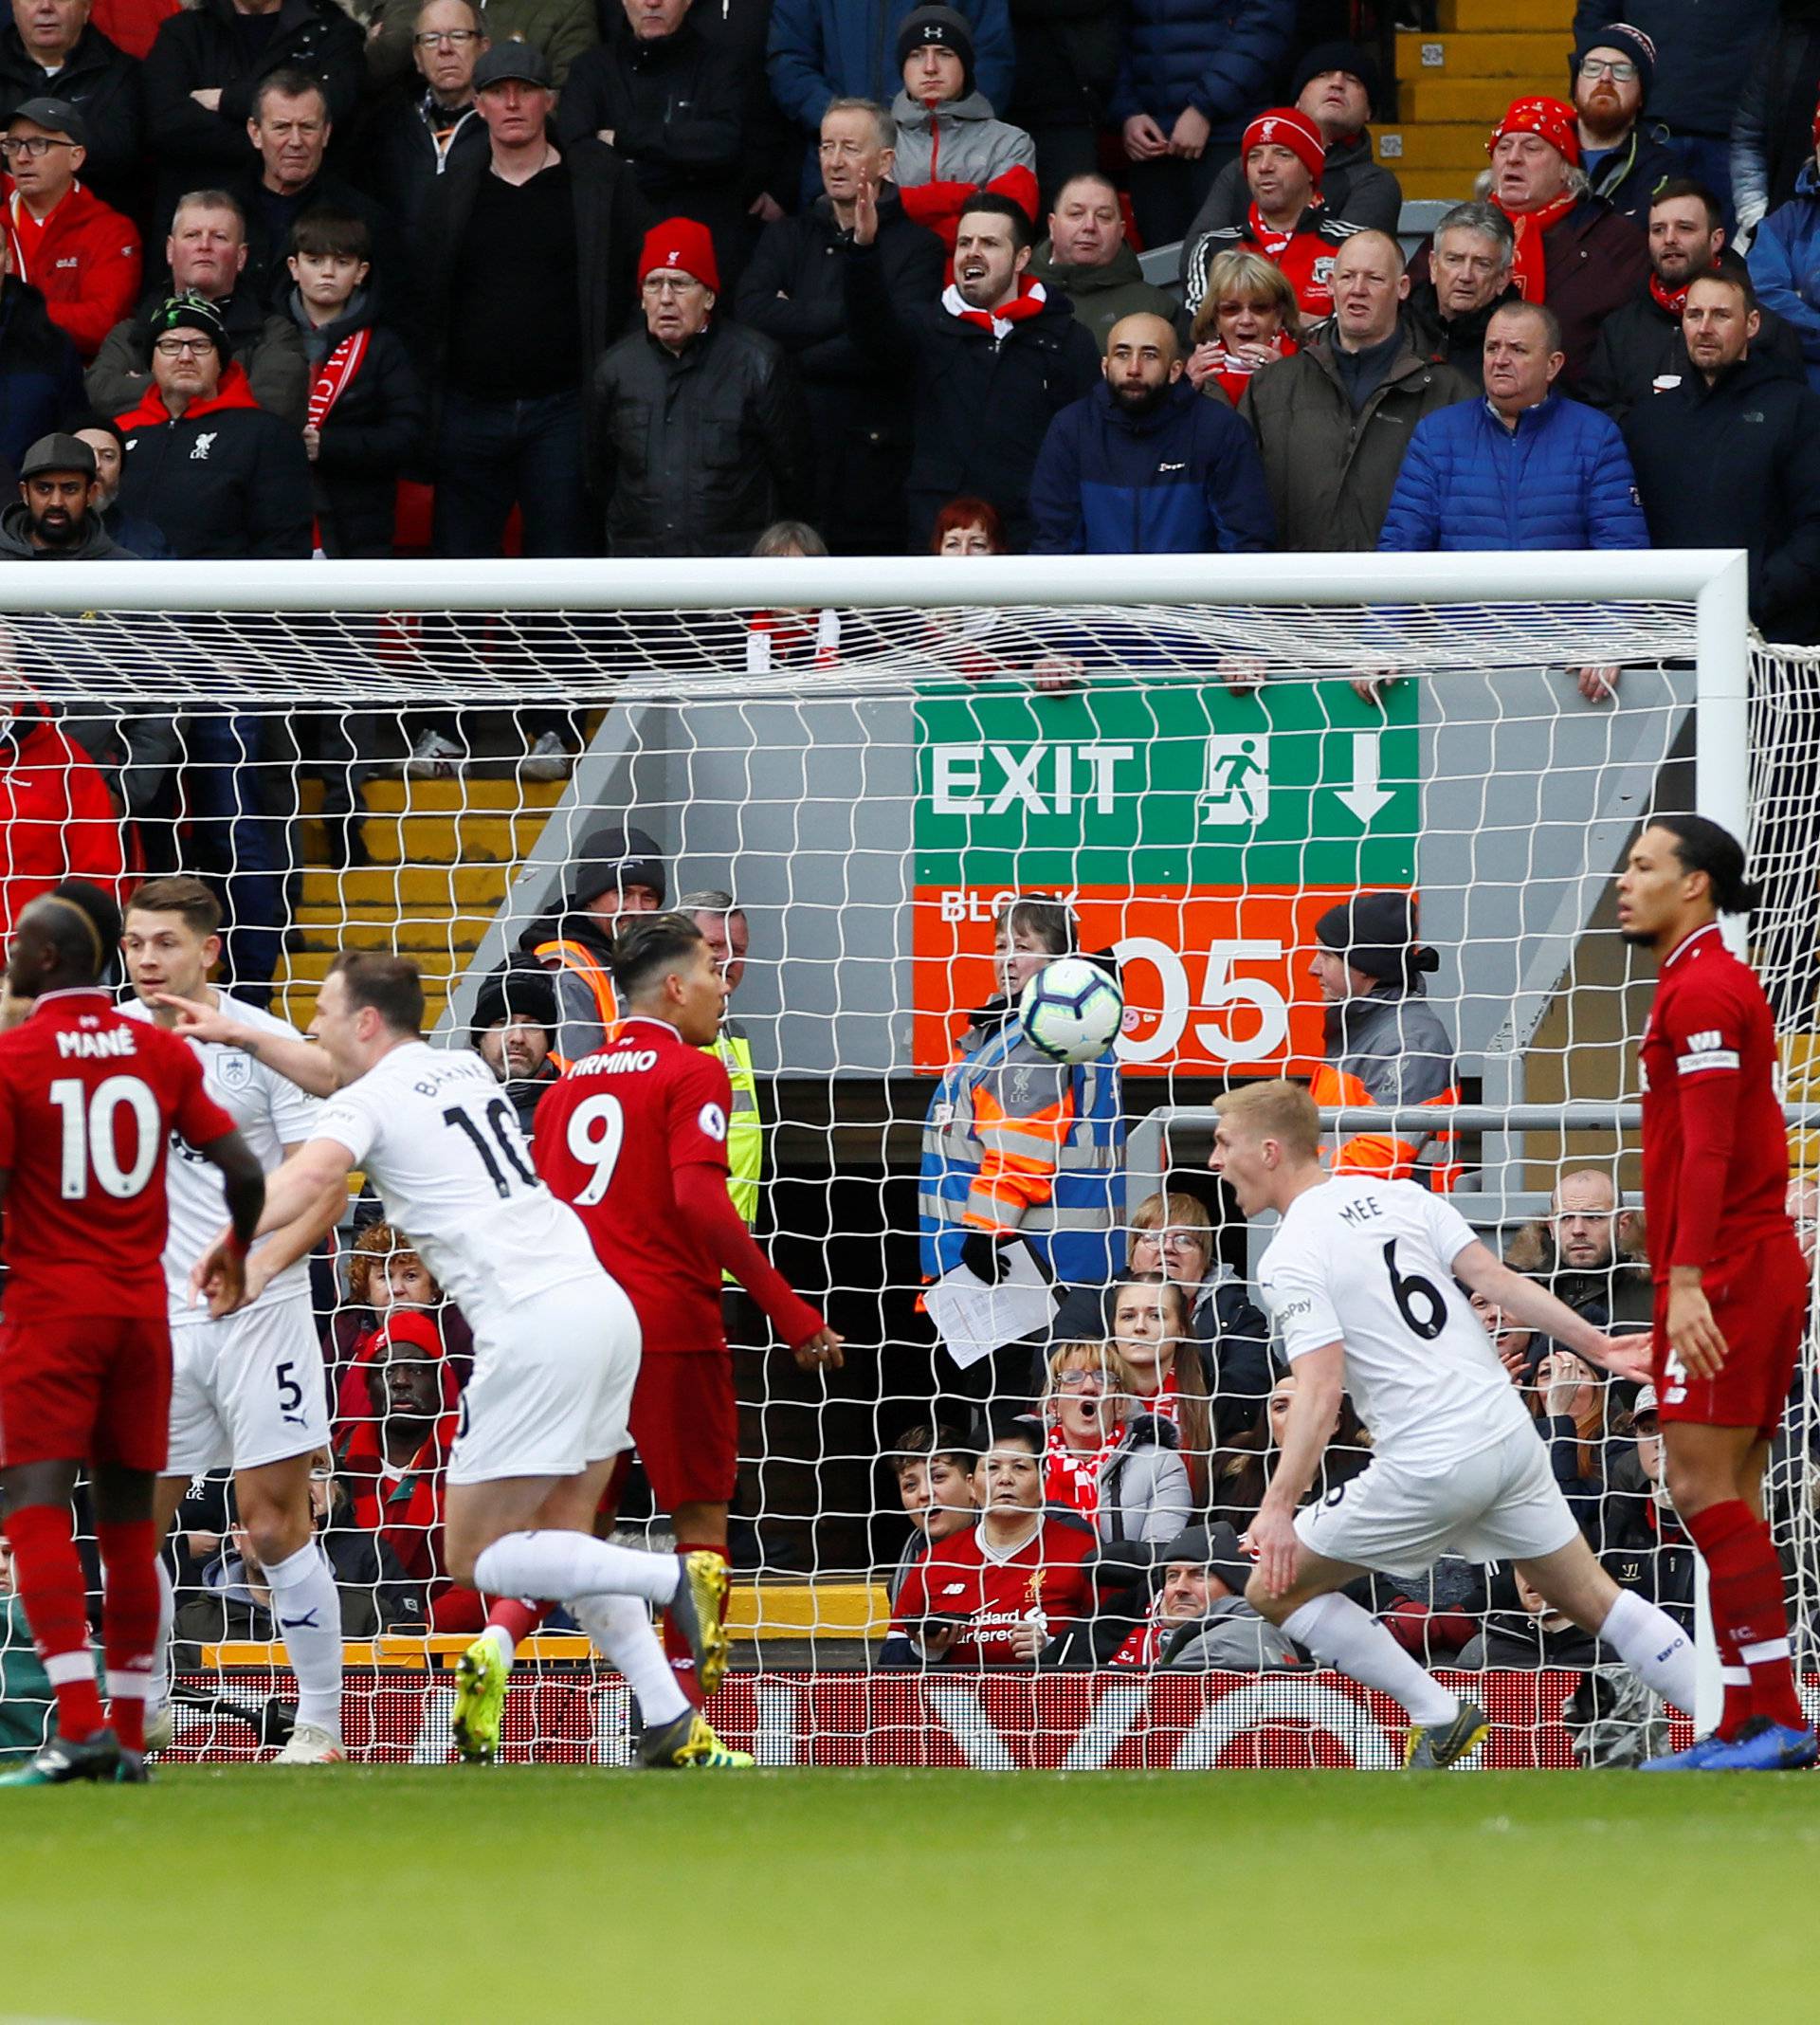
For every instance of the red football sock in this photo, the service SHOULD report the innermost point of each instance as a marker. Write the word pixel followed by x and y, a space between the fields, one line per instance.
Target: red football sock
pixel 517 1616
pixel 49 1575
pixel 128 1624
pixel 1736 1678
pixel 1746 1596
pixel 676 1647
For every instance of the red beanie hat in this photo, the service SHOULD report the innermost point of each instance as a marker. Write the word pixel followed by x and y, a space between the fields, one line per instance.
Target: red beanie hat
pixel 1556 123
pixel 680 243
pixel 1285 127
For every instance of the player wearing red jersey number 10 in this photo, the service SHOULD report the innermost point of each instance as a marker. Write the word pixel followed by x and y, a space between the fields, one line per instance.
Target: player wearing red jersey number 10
pixel 634 1138
pixel 89 1100
pixel 1731 1282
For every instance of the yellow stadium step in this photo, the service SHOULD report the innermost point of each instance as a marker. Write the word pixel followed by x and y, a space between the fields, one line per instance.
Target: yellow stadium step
pixel 296 1001
pixel 1518 56
pixel 1458 148
pixel 1440 100
pixel 1541 17
pixel 408 933
pixel 409 888
pixel 312 965
pixel 1445 185
pixel 405 796
pixel 452 839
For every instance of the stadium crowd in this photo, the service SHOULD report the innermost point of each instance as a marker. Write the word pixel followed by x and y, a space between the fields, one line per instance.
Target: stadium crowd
pixel 653 278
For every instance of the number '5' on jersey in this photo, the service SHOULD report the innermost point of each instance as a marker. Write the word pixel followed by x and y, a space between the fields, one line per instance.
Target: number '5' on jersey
pixel 1369 1264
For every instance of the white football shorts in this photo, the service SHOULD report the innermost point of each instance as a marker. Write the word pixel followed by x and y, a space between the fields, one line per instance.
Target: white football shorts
pixel 246 1389
pixel 1502 1503
pixel 552 1387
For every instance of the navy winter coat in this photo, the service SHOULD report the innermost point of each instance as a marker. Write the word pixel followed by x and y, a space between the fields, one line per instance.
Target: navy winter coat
pixel 1703 49
pixel 1559 480
pixel 823 49
pixel 41 378
pixel 1223 57
pixel 1184 480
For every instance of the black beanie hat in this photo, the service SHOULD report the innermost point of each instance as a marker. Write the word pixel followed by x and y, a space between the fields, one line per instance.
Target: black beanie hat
pixel 1328 56
pixel 1376 933
pixel 617 857
pixel 191 313
pixel 948 30
pixel 1621 36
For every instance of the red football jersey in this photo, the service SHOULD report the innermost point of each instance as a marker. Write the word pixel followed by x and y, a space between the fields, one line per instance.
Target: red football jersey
pixel 961 1577
pixel 1714 1149
pixel 89 1102
pixel 609 1139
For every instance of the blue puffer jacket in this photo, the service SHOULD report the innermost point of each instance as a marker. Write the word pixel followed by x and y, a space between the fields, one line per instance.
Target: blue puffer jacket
pixel 1184 480
pixel 823 49
pixel 1785 266
pixel 1561 479
pixel 1223 57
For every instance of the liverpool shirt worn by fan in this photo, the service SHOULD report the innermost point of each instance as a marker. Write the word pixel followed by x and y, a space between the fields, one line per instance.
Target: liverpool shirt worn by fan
pixel 1369 1264
pixel 613 1139
pixel 441 1142
pixel 1045 1581
pixel 89 1102
pixel 1714 1147
pixel 270 1113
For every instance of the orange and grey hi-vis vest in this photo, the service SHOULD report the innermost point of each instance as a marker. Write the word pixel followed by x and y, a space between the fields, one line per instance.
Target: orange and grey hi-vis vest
pixel 1390 1049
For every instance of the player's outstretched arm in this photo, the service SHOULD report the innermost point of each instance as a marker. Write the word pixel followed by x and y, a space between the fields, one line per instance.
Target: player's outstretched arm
pixel 296 1059
pixel 308 1191
pixel 1314 1413
pixel 1524 1301
pixel 707 1209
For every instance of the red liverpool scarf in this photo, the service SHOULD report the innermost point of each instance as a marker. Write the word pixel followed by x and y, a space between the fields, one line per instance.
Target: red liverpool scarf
pixel 1528 265
pixel 1673 300
pixel 337 375
pixel 1269 240
pixel 1029 301
pixel 1071 1479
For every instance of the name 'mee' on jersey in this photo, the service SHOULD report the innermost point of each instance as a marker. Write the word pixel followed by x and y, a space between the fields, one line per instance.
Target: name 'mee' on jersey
pixel 613 1135
pixel 441 1142
pixel 89 1100
pixel 270 1112
pixel 1369 1264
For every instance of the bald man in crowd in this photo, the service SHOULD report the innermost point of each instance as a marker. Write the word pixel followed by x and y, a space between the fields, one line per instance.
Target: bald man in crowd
pixel 1333 420
pixel 1144 466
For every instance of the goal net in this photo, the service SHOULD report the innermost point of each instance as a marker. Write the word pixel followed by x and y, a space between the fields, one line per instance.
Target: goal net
pixel 851 770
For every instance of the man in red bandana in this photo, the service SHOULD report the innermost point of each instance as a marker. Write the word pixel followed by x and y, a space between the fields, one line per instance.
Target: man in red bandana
pixel 1285 156
pixel 1640 350
pixel 1573 252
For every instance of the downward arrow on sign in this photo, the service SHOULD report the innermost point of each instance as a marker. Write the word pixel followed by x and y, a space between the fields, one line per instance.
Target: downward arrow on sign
pixel 1364 798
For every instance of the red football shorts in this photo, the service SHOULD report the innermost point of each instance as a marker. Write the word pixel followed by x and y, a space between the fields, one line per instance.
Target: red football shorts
pixel 1759 1300
pixel 687 1427
pixel 85 1388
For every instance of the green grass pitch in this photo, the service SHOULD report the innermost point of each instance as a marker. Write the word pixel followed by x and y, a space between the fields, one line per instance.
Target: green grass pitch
pixel 262 1897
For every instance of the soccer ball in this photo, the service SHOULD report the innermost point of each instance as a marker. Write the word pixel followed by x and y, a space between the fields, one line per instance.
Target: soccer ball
pixel 1072 1010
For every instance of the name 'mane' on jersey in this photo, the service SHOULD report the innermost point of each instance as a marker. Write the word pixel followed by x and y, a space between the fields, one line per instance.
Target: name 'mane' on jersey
pixel 1369 1264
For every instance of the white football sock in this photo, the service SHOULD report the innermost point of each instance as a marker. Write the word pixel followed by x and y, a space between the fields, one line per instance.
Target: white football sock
pixel 1653 1645
pixel 557 1567
pixel 502 1638
pixel 159 1691
pixel 623 1632
pixel 308 1613
pixel 1334 1627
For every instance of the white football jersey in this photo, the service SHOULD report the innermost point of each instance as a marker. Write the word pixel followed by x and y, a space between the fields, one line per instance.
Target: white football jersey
pixel 440 1141
pixel 1369 1264
pixel 271 1112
